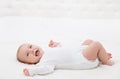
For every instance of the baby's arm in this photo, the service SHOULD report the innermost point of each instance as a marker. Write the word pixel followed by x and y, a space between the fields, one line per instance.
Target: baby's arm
pixel 41 70
pixel 53 44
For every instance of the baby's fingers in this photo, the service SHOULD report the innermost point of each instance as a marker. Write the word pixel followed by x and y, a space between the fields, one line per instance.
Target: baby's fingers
pixel 26 72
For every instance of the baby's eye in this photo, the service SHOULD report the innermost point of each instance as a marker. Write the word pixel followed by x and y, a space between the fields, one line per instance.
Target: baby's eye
pixel 30 46
pixel 27 54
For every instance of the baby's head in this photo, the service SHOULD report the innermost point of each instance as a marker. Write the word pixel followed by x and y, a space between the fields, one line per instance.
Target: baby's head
pixel 28 53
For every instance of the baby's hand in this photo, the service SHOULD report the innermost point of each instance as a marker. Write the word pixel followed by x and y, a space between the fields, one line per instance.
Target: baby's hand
pixel 26 72
pixel 53 44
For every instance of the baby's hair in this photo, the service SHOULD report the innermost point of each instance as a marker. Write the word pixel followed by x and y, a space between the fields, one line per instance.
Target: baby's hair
pixel 18 50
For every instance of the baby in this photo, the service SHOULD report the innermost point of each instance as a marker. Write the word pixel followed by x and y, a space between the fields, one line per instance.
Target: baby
pixel 86 56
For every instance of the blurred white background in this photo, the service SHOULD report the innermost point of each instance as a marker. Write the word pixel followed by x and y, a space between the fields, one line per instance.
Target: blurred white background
pixel 38 21
pixel 61 8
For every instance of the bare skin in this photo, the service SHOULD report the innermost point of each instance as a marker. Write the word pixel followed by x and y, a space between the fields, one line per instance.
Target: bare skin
pixel 96 50
pixel 93 51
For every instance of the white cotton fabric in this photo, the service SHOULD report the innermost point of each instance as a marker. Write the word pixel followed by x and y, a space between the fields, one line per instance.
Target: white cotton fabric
pixel 63 58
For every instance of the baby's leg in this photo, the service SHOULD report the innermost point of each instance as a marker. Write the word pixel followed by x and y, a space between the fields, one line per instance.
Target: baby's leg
pixel 96 50
pixel 87 42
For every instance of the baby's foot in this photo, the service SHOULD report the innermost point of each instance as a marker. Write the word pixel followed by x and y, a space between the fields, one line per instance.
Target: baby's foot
pixel 110 63
pixel 109 55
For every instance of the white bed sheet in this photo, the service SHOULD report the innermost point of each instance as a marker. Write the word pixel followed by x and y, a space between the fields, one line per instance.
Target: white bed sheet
pixel 17 30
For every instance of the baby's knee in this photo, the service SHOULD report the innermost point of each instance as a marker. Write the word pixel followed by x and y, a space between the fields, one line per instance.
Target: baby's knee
pixel 89 40
pixel 97 44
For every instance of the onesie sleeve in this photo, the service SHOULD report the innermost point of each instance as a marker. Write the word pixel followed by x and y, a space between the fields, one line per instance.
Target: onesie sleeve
pixel 41 70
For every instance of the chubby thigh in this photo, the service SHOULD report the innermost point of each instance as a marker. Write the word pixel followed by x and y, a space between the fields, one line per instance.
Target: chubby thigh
pixel 84 63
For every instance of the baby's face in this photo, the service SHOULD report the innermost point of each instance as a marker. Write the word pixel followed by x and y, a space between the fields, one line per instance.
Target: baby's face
pixel 29 53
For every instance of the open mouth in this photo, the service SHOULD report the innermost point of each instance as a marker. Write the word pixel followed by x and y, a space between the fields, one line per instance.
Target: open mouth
pixel 37 52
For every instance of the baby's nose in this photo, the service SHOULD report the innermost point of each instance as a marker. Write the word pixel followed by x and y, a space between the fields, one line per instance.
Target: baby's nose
pixel 32 51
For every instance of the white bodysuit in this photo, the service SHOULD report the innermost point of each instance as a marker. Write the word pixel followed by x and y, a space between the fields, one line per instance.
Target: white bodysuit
pixel 62 58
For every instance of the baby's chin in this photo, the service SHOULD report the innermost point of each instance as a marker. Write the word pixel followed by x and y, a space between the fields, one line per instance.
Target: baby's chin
pixel 33 62
pixel 37 60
